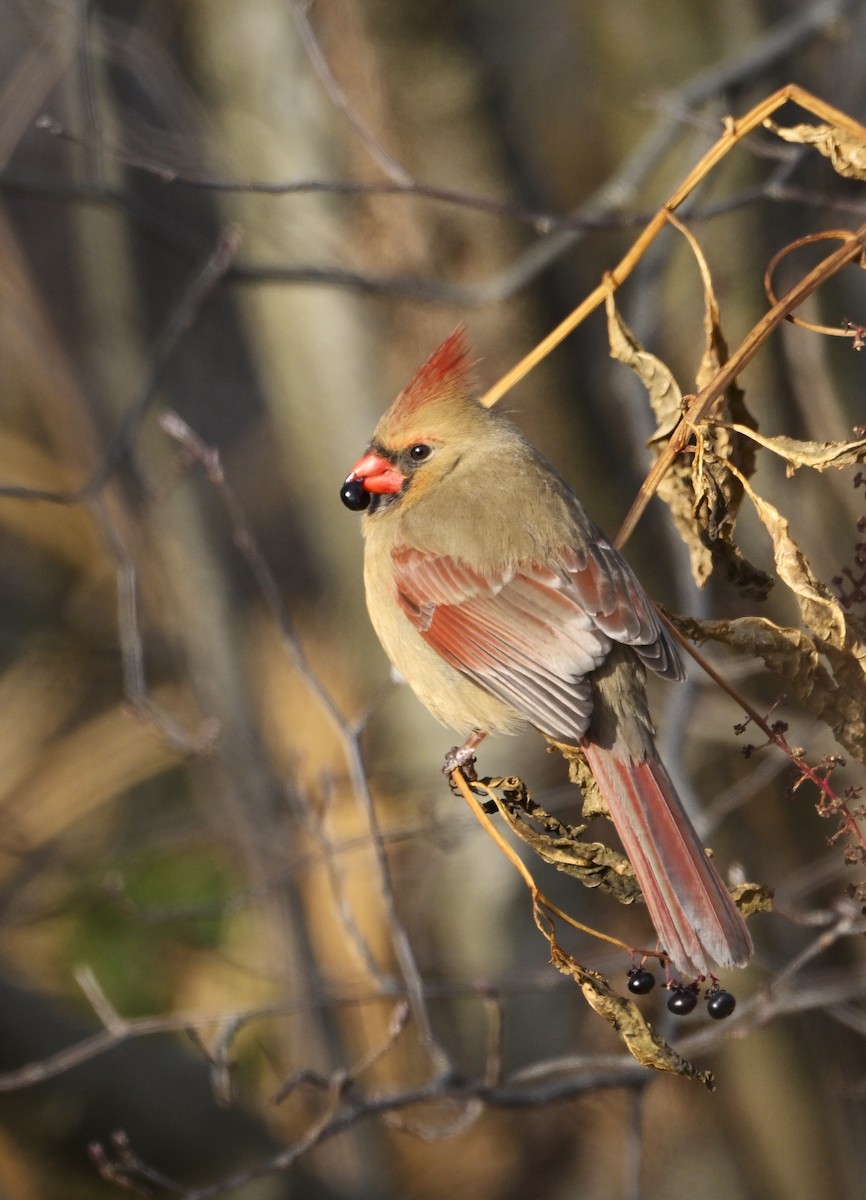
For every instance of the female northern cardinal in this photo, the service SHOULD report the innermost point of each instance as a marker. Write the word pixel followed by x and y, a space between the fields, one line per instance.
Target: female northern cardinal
pixel 499 602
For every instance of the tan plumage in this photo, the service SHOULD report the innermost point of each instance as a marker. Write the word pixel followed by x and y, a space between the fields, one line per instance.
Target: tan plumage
pixel 499 602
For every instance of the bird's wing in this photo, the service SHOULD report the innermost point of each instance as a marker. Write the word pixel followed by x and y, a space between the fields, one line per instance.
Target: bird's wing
pixel 604 585
pixel 531 635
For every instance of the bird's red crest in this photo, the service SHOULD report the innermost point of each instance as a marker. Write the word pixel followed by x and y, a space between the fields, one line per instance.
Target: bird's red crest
pixel 444 371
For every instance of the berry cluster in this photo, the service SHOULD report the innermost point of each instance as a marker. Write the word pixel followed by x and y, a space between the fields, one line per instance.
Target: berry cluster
pixel 683 996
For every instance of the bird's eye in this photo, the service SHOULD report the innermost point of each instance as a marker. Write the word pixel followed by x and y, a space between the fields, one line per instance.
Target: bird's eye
pixel 420 451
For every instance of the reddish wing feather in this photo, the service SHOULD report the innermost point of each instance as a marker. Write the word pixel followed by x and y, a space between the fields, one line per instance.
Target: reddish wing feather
pixel 552 627
pixel 524 636
pixel 605 585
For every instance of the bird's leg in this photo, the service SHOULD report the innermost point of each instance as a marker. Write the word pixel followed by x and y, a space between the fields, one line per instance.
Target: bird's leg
pixel 464 756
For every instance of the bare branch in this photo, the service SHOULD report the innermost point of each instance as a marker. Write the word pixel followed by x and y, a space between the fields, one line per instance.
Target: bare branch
pixel 300 12
pixel 180 321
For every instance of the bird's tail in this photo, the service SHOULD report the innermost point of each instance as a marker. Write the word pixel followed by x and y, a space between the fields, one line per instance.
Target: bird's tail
pixel 696 920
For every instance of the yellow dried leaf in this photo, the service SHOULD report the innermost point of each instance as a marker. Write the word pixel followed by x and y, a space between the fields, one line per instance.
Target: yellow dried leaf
pixel 828 679
pixel 663 390
pixel 846 153
pixel 753 897
pixel 820 610
pixel 594 803
pixel 817 455
pixel 703 498
pixel 638 1036
pixel 676 489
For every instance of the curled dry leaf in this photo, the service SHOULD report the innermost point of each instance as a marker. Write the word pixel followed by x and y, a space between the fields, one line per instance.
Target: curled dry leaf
pixel 658 379
pixel 666 399
pixel 594 803
pixel 638 1036
pixel 817 455
pixel 753 897
pixel 847 154
pixel 593 863
pixel 829 680
pixel 702 497
pixel 819 609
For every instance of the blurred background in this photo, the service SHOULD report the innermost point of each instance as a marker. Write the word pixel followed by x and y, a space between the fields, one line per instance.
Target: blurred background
pixel 228 857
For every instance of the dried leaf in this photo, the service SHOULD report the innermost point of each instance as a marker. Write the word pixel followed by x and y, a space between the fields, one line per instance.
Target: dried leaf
pixel 819 609
pixel 846 153
pixel 624 1016
pixel 753 897
pixel 676 490
pixel 663 390
pixel 829 680
pixel 702 497
pixel 593 863
pixel 594 803
pixel 717 493
pixel 818 455
pixel 847 715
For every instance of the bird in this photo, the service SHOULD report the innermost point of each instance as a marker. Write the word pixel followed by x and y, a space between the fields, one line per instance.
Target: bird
pixel 502 604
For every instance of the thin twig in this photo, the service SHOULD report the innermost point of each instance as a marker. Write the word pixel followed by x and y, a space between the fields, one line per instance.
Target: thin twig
pixel 138 695
pixel 300 13
pixel 330 858
pixel 350 741
pixel 180 321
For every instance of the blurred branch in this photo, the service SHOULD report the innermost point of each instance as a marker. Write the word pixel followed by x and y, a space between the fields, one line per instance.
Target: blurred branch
pixel 300 13
pixel 315 826
pixel 180 321
pixel 27 182
pixel 788 993
pixel 349 733
pixel 137 693
pixel 851 249
pixel 601 211
pixel 540 1084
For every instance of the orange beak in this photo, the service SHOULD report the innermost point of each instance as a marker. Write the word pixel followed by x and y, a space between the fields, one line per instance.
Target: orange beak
pixel 377 474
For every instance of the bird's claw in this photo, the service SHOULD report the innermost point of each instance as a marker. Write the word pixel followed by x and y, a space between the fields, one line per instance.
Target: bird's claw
pixel 461 758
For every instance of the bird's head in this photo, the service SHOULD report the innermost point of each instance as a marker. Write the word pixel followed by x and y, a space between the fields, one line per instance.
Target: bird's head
pixel 422 436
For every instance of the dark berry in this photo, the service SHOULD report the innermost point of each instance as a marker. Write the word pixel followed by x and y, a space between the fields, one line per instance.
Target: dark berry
pixel 354 495
pixel 682 1001
pixel 720 1004
pixel 640 981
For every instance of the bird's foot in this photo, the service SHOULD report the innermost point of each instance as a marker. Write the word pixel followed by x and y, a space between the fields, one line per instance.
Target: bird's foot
pixel 461 758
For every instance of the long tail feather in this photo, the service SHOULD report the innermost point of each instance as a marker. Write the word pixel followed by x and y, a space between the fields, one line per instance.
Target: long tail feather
pixel 696 920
